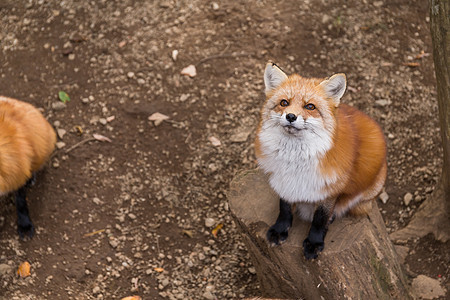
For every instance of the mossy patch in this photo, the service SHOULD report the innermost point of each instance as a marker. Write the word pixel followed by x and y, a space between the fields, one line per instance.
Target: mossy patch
pixel 382 276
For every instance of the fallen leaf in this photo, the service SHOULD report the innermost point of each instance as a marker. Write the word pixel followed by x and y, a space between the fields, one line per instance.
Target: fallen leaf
pixel 63 96
pixel 101 138
pixel 422 54
pixel 132 298
pixel 189 71
pixel 411 64
pixel 159 270
pixel 189 233
pixel 24 269
pixel 215 231
pixel 214 141
pixel 79 130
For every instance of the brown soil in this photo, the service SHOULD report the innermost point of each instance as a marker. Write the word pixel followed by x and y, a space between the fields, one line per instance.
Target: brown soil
pixel 150 190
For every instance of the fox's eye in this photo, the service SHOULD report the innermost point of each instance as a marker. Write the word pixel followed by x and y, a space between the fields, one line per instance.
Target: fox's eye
pixel 310 106
pixel 284 102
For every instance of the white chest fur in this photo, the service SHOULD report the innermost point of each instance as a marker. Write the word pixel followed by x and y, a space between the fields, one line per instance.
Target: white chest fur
pixel 292 163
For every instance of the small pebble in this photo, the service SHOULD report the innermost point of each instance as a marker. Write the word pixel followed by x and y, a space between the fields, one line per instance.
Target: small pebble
pixel 60 145
pixel 384 197
pixel 407 198
pixel 209 222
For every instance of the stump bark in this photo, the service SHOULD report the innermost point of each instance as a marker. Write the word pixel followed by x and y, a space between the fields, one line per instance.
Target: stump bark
pixel 359 260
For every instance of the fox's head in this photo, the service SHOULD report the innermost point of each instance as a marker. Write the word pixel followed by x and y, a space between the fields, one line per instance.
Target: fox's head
pixel 300 107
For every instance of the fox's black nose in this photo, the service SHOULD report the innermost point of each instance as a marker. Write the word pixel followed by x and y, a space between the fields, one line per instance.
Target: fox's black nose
pixel 291 118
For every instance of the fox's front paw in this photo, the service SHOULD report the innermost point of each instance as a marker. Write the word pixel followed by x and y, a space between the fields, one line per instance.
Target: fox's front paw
pixel 25 228
pixel 311 250
pixel 277 234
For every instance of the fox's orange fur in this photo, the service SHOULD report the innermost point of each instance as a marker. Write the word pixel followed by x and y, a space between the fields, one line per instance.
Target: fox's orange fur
pixel 26 142
pixel 345 150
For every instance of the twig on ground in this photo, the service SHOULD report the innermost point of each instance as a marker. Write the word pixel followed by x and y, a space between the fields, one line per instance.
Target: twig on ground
pixel 80 143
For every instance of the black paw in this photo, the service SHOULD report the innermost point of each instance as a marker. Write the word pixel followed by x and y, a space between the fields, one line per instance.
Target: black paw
pixel 25 228
pixel 311 250
pixel 277 234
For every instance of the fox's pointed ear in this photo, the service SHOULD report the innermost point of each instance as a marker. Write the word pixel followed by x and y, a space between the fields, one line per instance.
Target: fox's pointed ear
pixel 334 87
pixel 273 76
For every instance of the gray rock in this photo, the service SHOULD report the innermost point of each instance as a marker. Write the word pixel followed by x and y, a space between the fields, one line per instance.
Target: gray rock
pixel 61 132
pixel 427 288
pixel 60 145
pixel 58 106
pixel 209 222
pixel 5 269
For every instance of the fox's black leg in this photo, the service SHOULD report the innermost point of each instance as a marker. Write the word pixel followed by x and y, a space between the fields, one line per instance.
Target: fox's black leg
pixel 314 243
pixel 24 224
pixel 31 181
pixel 278 232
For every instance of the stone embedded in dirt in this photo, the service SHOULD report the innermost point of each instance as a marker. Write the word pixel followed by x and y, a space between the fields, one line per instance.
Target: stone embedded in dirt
pixel 214 141
pixel 210 222
pixel 384 197
pixel 382 102
pixel 208 295
pixel 158 118
pixel 96 290
pixel 378 3
pixel 190 71
pixel 61 132
pixel 5 269
pixel 60 145
pixel 174 55
pixel 184 97
pixel 130 75
pixel 407 198
pixel 58 106
pixel 402 252
pixel 114 243
pixel 241 136
pixel 427 288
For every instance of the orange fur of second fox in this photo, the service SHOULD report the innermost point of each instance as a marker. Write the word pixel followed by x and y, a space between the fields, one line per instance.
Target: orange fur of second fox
pixel 357 156
pixel 26 142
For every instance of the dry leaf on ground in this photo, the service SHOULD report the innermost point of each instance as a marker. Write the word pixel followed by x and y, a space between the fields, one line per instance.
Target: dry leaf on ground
pixel 132 298
pixel 411 64
pixel 24 269
pixel 215 231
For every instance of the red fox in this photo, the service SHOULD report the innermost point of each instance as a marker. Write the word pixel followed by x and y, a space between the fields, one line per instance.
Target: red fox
pixel 26 142
pixel 327 158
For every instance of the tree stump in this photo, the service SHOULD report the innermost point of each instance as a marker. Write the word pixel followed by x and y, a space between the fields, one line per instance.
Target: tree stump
pixel 359 260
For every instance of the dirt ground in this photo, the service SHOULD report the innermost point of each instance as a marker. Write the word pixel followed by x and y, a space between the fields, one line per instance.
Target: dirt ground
pixel 134 216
